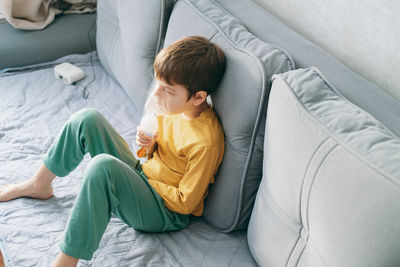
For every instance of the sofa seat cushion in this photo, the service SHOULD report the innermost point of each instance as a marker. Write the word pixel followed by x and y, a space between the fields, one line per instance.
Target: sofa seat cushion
pixel 68 34
pixel 240 103
pixel 331 183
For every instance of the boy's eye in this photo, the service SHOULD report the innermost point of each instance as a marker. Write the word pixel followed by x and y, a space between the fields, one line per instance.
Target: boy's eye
pixel 167 91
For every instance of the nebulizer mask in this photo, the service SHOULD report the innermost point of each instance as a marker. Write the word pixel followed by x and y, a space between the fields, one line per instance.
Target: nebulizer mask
pixel 149 122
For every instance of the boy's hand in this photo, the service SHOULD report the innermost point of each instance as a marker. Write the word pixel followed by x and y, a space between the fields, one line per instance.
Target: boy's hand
pixel 144 140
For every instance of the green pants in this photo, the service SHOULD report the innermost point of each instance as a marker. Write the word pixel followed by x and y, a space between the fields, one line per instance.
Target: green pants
pixel 114 183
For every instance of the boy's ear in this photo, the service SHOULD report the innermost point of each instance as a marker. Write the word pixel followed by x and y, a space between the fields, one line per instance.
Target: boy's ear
pixel 199 97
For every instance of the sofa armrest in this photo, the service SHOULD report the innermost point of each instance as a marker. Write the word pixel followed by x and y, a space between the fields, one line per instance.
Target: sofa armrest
pixel 68 34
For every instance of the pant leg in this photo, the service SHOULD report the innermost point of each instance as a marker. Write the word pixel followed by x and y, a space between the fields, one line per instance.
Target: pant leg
pixel 87 131
pixel 111 186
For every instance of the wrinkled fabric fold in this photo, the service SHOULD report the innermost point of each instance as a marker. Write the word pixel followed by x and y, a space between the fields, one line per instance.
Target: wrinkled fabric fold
pixel 37 14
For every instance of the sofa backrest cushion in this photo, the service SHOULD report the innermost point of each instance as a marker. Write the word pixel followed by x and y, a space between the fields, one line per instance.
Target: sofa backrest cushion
pixel 129 35
pixel 240 103
pixel 305 54
pixel 331 183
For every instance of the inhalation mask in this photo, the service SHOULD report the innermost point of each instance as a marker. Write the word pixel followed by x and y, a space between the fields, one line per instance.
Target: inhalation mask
pixel 149 121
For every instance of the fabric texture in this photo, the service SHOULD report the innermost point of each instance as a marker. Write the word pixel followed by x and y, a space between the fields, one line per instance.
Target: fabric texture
pixel 32 112
pixel 331 180
pixel 186 160
pixel 129 35
pixel 37 14
pixel 351 85
pixel 240 103
pixel 351 45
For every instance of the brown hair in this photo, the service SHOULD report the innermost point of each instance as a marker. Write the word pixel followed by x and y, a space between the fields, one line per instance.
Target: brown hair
pixel 193 62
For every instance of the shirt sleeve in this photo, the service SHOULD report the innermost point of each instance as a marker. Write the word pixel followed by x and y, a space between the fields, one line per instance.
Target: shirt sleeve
pixel 201 167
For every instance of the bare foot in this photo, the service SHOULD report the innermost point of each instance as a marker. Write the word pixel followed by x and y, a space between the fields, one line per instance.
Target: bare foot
pixel 25 189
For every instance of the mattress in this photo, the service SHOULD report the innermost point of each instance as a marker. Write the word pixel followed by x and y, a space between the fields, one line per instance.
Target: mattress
pixel 34 105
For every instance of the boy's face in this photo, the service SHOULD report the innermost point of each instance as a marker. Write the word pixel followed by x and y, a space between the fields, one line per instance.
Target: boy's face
pixel 173 98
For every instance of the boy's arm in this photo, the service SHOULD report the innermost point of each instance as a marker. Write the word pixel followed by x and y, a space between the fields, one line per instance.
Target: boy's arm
pixel 200 170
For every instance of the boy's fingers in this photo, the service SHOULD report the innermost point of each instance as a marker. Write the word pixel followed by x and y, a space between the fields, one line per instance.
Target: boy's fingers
pixel 142 134
pixel 144 141
pixel 142 144
pixel 145 138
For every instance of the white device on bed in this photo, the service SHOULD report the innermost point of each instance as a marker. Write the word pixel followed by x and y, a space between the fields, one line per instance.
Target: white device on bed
pixel 68 72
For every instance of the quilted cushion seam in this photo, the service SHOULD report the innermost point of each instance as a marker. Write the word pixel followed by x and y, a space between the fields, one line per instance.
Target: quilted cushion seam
pixel 306 222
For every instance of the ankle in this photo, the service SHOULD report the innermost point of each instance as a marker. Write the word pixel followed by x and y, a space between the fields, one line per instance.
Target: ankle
pixel 64 260
pixel 39 185
pixel 42 178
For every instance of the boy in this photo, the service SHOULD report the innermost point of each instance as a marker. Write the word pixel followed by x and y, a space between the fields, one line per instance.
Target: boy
pixel 159 195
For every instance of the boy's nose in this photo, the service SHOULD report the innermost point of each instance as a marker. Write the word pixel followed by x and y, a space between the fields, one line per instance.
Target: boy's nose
pixel 158 94
pixel 158 90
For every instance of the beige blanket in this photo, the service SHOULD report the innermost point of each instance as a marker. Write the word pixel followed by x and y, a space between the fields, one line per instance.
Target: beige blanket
pixel 37 14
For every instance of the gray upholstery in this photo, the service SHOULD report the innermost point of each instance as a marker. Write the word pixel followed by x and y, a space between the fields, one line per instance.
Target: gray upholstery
pixel 370 46
pixel 129 35
pixel 330 189
pixel 68 34
pixel 306 54
pixel 239 102
pixel 331 183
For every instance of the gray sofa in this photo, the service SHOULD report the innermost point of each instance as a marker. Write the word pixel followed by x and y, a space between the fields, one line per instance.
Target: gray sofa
pixel 310 175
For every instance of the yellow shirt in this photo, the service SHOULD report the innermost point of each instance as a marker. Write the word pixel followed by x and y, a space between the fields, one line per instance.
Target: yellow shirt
pixel 186 160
